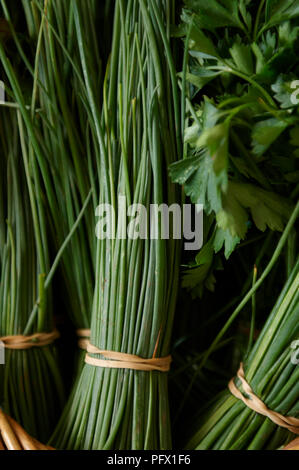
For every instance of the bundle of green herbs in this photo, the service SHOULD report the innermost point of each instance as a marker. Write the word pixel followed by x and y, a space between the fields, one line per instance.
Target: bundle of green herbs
pixel 31 388
pixel 64 150
pixel 271 370
pixel 241 123
pixel 98 99
pixel 137 137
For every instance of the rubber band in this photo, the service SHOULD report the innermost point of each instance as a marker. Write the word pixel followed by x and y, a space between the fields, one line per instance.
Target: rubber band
pixel 14 437
pixel 257 405
pixel 83 335
pixel 294 445
pixel 118 360
pixel 31 341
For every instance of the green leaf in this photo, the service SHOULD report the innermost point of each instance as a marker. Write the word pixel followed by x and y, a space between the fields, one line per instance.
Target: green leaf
pixel 200 77
pixel 244 168
pixel 260 59
pixel 264 216
pixel 268 45
pixel 181 171
pixel 212 14
pixel 210 114
pixel 245 13
pixel 264 133
pixel 200 274
pixel 283 59
pixel 198 40
pixel 232 216
pixel 205 174
pixel 287 34
pixel 202 43
pixel 267 209
pixel 215 140
pixel 196 279
pixel 224 237
pixel 199 180
pixel 178 31
pixel 191 134
pixel 242 56
pixel 280 52
pixel 205 255
pixel 281 10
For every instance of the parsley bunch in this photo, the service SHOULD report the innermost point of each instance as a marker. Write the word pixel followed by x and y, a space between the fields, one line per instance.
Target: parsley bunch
pixel 240 122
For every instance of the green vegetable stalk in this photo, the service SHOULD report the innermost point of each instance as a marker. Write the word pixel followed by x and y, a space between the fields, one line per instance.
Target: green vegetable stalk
pixel 137 137
pixel 58 119
pixel 272 371
pixel 31 389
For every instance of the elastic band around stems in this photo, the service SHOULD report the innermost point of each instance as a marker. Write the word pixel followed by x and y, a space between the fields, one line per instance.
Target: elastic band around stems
pixel 14 437
pixel 294 445
pixel 257 405
pixel 83 335
pixel 31 341
pixel 118 360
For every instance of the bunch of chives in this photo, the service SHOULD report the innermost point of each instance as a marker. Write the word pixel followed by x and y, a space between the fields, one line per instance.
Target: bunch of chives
pixel 273 375
pixel 31 388
pixel 66 156
pixel 65 132
pixel 136 278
